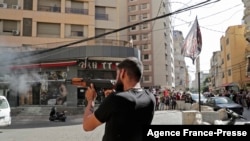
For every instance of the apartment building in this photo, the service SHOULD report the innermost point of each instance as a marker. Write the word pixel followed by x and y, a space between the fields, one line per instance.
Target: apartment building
pixel 246 19
pixel 48 23
pixel 179 62
pixel 155 41
pixel 215 71
pixel 233 58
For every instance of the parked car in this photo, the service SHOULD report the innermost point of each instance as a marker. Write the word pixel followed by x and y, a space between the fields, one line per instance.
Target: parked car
pixel 220 102
pixel 194 98
pixel 5 112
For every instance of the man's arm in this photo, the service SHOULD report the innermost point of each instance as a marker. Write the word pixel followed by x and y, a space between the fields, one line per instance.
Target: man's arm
pixel 90 122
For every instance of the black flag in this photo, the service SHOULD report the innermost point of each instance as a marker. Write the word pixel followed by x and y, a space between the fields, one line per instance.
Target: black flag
pixel 193 42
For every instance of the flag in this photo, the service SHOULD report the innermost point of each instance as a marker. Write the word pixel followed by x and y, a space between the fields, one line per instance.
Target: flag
pixel 193 42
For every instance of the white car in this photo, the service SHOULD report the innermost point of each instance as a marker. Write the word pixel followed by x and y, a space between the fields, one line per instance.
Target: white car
pixel 5 112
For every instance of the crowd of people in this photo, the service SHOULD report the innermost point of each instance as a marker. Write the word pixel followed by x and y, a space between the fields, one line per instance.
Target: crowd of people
pixel 169 99
pixel 241 97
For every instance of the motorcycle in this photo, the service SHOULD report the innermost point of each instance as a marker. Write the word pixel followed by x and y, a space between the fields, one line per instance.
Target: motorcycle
pixel 233 117
pixel 55 115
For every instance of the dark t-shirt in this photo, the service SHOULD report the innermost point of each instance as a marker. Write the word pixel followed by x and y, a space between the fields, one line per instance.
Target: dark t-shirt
pixel 125 114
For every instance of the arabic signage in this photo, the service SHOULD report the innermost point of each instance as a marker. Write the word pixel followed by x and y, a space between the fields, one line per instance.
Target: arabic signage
pixel 102 65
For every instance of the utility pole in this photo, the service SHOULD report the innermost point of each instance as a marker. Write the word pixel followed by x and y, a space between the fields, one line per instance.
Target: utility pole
pixel 198 77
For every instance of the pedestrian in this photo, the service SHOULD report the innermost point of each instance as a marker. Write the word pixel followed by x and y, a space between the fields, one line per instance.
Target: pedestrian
pixel 127 110
pixel 248 100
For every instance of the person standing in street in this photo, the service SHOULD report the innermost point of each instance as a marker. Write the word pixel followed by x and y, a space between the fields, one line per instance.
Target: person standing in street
pixel 127 110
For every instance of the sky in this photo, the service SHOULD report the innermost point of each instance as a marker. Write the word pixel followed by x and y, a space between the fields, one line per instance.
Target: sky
pixel 214 19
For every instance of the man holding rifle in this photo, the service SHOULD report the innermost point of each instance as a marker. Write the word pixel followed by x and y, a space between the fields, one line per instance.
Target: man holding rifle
pixel 126 110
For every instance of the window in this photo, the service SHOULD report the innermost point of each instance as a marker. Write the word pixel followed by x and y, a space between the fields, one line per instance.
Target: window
pixel 77 30
pixel 132 8
pixel 9 26
pixel 145 57
pixel 146 78
pixel 228 56
pixel 229 72
pixel 27 27
pixel 132 17
pixel 227 41
pixel 146 67
pixel 133 37
pixel 144 26
pixel 144 36
pixel 133 28
pixel 99 31
pixel 222 74
pixel 100 13
pixel 46 29
pixel 166 78
pixel 222 61
pixel 145 46
pixel 144 6
pixel 248 65
pixel 144 16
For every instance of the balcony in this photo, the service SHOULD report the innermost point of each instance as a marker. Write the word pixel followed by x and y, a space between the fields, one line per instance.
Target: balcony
pixel 99 16
pixel 76 11
pixel 49 8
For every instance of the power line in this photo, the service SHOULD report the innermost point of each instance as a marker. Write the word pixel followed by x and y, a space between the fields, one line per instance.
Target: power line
pixel 207 2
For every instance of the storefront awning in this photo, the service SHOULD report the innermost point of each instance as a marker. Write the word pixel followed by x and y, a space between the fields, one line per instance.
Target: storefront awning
pixel 44 65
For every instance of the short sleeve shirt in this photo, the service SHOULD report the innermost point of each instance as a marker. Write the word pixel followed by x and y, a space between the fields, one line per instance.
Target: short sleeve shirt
pixel 125 114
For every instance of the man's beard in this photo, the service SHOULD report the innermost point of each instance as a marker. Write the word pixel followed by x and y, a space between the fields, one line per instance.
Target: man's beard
pixel 119 86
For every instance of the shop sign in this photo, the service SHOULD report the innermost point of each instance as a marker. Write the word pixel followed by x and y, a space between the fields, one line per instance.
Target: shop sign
pixel 106 65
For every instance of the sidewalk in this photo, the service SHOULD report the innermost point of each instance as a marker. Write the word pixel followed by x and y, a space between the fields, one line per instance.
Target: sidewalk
pixel 161 117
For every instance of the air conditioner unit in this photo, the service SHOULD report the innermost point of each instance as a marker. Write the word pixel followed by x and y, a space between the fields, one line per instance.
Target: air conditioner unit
pixel 3 5
pixel 15 32
pixel 15 6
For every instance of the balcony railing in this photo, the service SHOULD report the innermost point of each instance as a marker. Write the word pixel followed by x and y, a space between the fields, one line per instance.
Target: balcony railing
pixel 77 11
pixel 49 8
pixel 100 16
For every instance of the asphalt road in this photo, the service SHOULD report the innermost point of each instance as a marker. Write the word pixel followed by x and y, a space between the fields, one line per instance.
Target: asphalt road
pixel 41 129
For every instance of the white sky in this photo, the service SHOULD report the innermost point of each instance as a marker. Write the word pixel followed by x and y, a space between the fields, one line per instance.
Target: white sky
pixel 214 19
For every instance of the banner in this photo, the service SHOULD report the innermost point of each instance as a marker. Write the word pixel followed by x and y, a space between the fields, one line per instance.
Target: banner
pixel 193 42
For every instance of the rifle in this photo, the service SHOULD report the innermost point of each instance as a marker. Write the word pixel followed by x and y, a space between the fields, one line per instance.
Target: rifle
pixel 99 84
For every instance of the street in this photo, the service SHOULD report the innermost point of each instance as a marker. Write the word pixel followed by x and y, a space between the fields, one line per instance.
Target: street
pixel 40 129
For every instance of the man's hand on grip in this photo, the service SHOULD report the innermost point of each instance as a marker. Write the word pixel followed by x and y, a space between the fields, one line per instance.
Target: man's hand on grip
pixel 91 94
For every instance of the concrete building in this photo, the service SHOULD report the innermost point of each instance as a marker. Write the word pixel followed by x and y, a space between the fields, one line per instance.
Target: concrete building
pixel 154 39
pixel 215 71
pixel 180 65
pixel 52 23
pixel 246 19
pixel 233 59
pixel 195 84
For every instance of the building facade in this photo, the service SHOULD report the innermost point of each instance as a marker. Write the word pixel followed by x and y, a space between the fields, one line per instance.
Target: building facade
pixel 233 59
pixel 246 19
pixel 215 71
pixel 179 61
pixel 154 39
